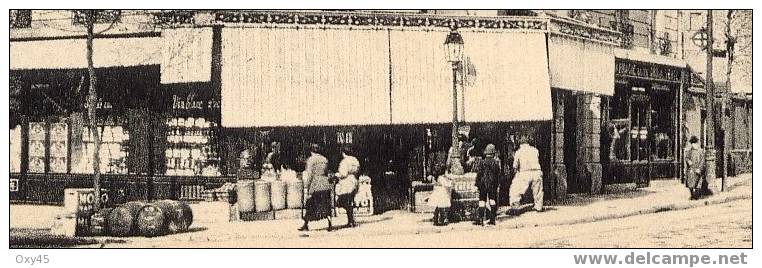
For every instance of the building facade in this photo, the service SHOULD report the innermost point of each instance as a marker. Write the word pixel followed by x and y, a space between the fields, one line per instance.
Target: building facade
pixel 183 93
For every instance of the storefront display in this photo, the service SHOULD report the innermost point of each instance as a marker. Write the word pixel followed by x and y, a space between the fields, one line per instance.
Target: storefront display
pixel 37 147
pixel 59 147
pixel 643 122
pixel 191 149
pixel 113 150
pixel 15 149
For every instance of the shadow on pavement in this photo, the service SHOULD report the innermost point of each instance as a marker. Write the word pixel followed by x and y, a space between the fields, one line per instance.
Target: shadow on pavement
pixel 42 238
pixel 576 200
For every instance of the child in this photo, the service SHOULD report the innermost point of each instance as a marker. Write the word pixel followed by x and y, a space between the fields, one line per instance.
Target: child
pixel 364 196
pixel 440 198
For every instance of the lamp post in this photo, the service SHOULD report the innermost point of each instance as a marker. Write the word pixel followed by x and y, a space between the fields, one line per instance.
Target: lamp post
pixel 454 49
pixel 709 151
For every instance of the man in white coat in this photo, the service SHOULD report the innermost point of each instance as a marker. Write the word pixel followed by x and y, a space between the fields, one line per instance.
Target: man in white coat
pixel 526 162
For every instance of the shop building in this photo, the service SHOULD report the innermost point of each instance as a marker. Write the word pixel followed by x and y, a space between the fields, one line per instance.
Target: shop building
pixel 181 101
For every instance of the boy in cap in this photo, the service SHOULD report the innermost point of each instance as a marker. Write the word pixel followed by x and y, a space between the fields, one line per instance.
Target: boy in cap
pixel 487 176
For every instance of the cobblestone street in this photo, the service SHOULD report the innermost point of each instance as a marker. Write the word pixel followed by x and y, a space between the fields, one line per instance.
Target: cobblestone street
pixel 722 225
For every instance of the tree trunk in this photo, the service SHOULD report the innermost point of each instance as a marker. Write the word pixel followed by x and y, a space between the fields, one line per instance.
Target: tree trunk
pixel 92 101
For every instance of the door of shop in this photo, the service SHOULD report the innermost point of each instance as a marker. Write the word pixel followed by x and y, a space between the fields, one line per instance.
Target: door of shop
pixel 640 116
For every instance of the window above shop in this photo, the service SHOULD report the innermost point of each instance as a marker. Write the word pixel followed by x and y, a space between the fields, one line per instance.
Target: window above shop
pixel 21 18
pixel 101 16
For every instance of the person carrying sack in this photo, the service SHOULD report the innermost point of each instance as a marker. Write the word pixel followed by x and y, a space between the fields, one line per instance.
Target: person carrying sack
pixel 526 162
pixel 346 188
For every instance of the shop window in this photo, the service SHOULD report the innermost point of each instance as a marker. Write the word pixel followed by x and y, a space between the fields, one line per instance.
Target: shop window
pixel 662 126
pixel 619 127
pixel 101 16
pixel 696 21
pixel 48 147
pixel 113 151
pixel 21 18
pixel 191 150
pixel 620 131
pixel 15 149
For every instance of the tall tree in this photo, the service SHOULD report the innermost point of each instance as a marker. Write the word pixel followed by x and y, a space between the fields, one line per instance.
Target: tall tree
pixel 92 101
pixel 89 18
pixel 737 31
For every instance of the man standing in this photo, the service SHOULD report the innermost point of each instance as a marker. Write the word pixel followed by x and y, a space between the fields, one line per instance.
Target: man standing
pixel 695 167
pixel 346 188
pixel 526 163
pixel 487 175
pixel 272 161
pixel 317 189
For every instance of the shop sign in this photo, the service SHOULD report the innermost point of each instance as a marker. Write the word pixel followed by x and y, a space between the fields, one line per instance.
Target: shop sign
pixel 653 72
pixel 464 130
pixel 192 102
pixel 102 104
pixel 344 137
pixel 86 201
pixel 661 87
pixel 14 185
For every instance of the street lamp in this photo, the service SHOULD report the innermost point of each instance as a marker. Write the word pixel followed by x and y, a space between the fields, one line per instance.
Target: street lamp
pixel 454 49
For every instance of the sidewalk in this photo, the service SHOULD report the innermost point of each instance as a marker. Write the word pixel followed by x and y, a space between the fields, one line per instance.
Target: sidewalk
pixel 616 203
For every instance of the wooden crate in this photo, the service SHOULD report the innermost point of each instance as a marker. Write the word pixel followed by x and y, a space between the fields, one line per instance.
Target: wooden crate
pixel 421 206
pixel 464 209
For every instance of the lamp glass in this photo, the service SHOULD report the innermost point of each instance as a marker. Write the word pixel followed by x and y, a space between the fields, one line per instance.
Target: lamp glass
pixel 454 47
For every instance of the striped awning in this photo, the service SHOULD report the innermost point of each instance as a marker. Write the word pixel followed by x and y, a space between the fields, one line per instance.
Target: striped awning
pixel 329 77
pixel 305 77
pixel 580 65
pixel 71 53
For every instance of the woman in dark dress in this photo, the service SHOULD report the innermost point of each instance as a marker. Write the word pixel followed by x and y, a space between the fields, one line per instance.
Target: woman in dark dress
pixel 317 189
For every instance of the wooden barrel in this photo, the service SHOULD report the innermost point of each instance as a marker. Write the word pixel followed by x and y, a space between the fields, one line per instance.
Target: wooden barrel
pixel 294 194
pixel 262 196
pixel 150 221
pixel 245 195
pixel 121 220
pixel 178 216
pixel 278 195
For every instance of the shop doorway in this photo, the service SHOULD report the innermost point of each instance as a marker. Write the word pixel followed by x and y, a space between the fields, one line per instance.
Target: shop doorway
pixel 570 148
pixel 640 148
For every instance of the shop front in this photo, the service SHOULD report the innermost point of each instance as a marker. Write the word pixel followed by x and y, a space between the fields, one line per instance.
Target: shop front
pixel 157 116
pixel 387 91
pixel 643 133
pixel 582 78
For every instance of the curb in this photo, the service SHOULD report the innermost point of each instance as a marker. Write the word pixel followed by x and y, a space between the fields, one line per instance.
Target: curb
pixel 718 199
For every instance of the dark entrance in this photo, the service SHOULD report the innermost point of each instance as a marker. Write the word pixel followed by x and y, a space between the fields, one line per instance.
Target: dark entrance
pixel 570 138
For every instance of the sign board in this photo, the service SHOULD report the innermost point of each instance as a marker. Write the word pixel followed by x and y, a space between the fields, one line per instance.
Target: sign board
pixel 700 39
pixel 648 71
pixel 81 203
pixel 14 185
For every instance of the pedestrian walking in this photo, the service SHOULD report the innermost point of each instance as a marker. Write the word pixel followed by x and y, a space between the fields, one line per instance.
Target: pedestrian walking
pixel 487 179
pixel 346 187
pixel 695 169
pixel 441 197
pixel 317 189
pixel 526 163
